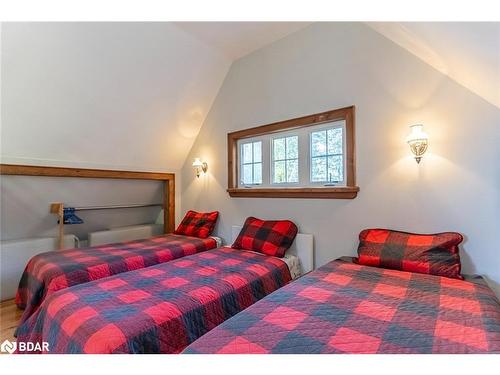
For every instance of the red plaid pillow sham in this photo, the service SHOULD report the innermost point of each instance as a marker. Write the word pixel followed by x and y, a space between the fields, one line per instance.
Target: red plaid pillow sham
pixel 270 237
pixel 197 224
pixel 435 254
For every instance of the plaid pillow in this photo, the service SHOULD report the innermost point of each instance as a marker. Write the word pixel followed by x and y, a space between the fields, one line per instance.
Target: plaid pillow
pixel 266 236
pixel 197 224
pixel 435 254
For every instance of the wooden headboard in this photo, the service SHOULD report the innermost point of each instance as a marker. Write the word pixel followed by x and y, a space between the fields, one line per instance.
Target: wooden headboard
pixel 168 179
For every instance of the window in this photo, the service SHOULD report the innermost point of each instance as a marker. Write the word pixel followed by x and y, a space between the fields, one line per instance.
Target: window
pixel 273 160
pixel 285 160
pixel 327 156
pixel 251 163
pixel 311 156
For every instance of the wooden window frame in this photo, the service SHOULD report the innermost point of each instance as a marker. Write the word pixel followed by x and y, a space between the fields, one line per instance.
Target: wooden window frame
pixel 168 179
pixel 349 191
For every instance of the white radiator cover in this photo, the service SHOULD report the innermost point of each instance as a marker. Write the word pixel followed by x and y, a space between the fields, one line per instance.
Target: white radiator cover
pixel 130 233
pixel 15 254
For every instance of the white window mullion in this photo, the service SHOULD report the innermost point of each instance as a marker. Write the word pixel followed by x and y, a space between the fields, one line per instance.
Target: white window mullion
pixel 304 165
pixel 266 162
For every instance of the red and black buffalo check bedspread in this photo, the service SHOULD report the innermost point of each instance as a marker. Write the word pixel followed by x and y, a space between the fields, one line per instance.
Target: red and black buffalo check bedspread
pixel 348 308
pixel 51 271
pixel 159 309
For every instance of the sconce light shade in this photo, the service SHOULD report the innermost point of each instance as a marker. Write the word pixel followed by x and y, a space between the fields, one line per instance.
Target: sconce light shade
pixel 418 141
pixel 199 166
pixel 197 163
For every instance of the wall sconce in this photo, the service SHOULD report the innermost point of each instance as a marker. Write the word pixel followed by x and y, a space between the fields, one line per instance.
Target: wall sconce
pixel 199 166
pixel 418 141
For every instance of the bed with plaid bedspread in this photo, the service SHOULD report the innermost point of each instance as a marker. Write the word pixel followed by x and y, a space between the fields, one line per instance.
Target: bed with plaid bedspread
pixel 348 308
pixel 48 272
pixel 159 309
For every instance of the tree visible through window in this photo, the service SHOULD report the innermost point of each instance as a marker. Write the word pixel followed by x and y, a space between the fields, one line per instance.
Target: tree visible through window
pixel 310 156
pixel 286 160
pixel 327 164
pixel 251 163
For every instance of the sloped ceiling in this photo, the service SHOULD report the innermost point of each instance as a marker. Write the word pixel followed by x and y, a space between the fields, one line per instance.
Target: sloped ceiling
pixel 111 95
pixel 467 52
pixel 237 39
pixel 116 95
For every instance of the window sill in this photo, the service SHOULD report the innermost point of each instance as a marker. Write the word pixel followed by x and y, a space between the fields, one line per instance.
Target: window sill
pixel 349 192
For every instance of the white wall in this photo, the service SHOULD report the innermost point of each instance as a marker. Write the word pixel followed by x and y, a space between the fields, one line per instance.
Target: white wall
pixel 104 95
pixel 129 95
pixel 456 187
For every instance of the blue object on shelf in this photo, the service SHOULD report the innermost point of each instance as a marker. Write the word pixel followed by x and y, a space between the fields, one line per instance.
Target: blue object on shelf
pixel 70 216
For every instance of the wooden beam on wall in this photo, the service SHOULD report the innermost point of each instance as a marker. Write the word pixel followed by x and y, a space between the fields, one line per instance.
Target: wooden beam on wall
pixel 58 209
pixel 30 170
pixel 170 208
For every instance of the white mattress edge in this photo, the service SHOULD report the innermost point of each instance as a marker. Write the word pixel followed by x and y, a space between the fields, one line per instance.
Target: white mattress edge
pixel 292 262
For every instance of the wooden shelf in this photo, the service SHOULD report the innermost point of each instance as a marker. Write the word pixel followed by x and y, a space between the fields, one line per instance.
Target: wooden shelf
pixel 349 192
pixel 35 170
